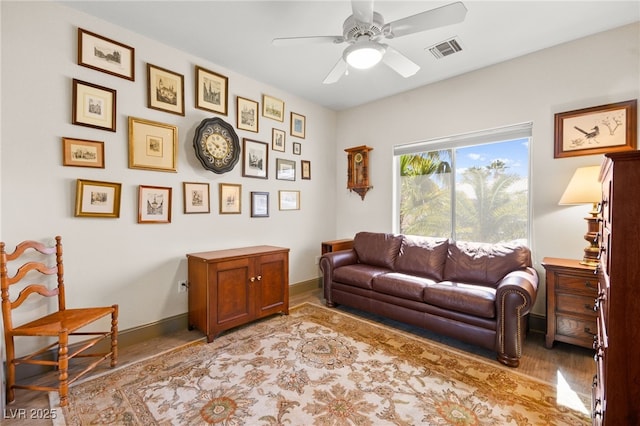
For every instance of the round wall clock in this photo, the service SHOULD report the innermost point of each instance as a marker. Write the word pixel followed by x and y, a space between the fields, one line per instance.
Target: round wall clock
pixel 217 145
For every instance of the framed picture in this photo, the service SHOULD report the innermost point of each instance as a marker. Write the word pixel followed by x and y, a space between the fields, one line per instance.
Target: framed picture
pixel 596 130
pixel 152 145
pixel 289 200
pixel 277 140
pixel 93 106
pixel 259 204
pixel 154 204
pixel 196 197
pixel 165 90
pixel 230 198
pixel 82 153
pixel 106 55
pixel 256 159
pixel 285 169
pixel 272 108
pixel 298 125
pixel 305 167
pixel 211 91
pixel 247 112
pixel 297 148
pixel 97 199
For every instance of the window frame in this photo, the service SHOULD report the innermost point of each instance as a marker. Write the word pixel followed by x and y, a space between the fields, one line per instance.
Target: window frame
pixel 452 143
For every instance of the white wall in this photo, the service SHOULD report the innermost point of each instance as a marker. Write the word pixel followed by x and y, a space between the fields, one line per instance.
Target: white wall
pixel 118 260
pixel 597 70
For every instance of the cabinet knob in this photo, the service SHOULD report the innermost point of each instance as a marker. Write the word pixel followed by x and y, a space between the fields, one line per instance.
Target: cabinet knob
pixel 259 277
pixel 252 279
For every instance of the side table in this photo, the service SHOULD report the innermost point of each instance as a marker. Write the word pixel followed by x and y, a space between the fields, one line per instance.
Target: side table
pixel 571 292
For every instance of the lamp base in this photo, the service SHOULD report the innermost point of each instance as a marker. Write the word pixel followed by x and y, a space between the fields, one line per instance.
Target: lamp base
pixel 592 251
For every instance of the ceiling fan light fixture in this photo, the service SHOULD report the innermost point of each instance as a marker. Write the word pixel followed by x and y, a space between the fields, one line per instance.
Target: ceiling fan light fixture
pixel 363 54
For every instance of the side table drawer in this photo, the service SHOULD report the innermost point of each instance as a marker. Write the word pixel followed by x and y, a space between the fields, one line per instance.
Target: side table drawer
pixel 576 304
pixel 578 329
pixel 586 284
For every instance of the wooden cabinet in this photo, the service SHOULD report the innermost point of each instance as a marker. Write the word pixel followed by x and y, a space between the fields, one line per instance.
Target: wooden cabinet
pixel 571 293
pixel 228 288
pixel 616 384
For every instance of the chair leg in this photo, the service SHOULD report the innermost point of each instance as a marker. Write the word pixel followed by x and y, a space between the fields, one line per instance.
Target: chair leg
pixel 63 366
pixel 11 369
pixel 114 336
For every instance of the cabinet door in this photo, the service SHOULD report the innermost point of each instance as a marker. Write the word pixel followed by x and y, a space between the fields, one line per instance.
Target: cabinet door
pixel 230 294
pixel 272 284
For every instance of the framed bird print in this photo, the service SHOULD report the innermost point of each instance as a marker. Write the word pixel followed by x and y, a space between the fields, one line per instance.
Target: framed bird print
pixel 596 130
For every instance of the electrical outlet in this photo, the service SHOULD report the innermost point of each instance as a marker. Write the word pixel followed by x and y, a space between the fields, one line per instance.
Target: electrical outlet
pixel 182 286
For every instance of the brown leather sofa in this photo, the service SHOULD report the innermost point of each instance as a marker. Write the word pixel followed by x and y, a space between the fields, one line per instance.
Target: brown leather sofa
pixel 477 293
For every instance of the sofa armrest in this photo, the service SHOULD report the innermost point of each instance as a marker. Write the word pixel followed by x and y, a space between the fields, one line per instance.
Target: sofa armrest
pixel 331 261
pixel 515 296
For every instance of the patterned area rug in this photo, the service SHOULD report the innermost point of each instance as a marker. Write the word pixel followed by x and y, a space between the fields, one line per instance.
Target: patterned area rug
pixel 316 366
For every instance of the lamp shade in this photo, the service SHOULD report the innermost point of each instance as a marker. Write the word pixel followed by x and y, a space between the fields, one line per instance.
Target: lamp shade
pixel 583 188
pixel 363 54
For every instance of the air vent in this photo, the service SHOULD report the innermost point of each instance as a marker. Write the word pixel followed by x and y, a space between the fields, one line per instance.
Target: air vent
pixel 446 48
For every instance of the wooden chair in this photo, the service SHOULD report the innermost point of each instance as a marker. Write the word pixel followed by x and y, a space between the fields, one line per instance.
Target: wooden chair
pixel 60 325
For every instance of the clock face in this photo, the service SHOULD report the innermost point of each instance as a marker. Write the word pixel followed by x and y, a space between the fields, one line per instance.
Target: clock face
pixel 358 158
pixel 216 145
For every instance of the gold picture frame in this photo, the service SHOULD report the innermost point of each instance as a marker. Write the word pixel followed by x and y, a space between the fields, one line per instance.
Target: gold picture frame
pixel 106 55
pixel 165 90
pixel 596 130
pixel 152 145
pixel 230 198
pixel 212 91
pixel 272 108
pixel 82 153
pixel 154 204
pixel 93 106
pixel 97 199
pixel 289 200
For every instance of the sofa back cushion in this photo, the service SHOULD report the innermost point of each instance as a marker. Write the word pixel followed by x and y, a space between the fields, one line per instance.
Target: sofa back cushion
pixel 422 256
pixel 377 249
pixel 483 263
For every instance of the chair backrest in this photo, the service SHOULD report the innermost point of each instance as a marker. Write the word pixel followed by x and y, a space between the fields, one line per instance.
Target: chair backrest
pixel 30 265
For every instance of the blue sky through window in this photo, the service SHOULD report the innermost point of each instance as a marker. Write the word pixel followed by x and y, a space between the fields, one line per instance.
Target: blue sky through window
pixel 514 153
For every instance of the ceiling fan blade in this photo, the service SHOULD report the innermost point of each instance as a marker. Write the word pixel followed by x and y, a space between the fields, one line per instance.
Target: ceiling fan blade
pixel 298 41
pixel 439 17
pixel 362 10
pixel 338 70
pixel 399 63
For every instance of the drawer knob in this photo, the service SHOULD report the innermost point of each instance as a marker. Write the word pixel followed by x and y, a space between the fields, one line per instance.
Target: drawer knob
pixel 589 331
pixel 589 284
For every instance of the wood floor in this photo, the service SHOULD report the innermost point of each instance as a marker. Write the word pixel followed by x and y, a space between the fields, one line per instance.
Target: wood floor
pixel 569 366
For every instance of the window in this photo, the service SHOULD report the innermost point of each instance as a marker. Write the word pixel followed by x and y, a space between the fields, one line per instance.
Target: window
pixel 471 187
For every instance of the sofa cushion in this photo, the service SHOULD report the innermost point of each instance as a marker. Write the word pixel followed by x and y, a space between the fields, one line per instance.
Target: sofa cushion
pixel 422 256
pixel 358 275
pixel 401 285
pixel 377 249
pixel 468 298
pixel 483 263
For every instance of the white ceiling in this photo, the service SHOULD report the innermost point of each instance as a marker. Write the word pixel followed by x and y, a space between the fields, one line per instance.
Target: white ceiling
pixel 237 35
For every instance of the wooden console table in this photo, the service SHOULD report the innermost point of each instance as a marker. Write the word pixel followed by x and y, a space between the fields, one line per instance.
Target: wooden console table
pixel 228 288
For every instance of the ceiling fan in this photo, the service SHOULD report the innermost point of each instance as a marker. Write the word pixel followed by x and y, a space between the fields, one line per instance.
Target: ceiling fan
pixel 364 31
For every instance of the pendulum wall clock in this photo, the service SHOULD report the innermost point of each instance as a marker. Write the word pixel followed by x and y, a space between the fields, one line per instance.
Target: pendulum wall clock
pixel 358 169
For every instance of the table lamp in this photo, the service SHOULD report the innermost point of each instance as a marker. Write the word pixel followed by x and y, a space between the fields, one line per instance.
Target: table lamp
pixel 584 188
